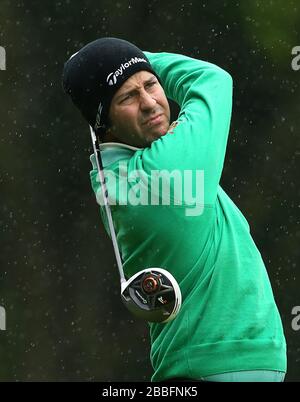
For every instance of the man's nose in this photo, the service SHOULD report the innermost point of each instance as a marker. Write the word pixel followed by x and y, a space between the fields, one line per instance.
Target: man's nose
pixel 147 101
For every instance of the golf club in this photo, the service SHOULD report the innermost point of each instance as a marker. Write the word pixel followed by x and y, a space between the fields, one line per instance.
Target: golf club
pixel 152 294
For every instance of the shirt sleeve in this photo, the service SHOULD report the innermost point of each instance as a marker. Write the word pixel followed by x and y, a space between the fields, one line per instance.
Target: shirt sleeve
pixel 198 141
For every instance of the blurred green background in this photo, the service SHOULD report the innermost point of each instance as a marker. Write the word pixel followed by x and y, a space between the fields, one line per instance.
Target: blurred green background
pixel 59 282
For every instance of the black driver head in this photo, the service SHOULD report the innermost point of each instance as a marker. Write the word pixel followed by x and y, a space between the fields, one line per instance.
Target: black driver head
pixel 153 295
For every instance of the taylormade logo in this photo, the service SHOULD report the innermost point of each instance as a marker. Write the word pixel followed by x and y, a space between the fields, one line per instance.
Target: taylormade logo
pixel 113 77
pixel 162 300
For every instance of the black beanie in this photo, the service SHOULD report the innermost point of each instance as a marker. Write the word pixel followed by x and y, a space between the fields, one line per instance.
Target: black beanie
pixel 94 74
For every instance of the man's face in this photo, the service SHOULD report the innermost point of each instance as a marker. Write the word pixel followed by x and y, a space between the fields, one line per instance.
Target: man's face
pixel 139 112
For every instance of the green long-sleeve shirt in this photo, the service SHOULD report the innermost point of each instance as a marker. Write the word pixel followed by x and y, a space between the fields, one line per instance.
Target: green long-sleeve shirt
pixel 228 320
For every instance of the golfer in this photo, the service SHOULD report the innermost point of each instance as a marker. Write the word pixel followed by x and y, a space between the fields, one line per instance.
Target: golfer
pixel 229 327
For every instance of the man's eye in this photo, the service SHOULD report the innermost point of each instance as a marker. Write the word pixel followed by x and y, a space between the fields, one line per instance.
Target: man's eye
pixel 127 97
pixel 150 84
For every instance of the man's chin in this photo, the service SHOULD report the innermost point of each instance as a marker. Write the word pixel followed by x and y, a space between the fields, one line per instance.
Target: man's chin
pixel 160 132
pixel 155 136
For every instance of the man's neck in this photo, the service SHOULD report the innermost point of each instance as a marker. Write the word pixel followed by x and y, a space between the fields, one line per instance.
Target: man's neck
pixel 109 137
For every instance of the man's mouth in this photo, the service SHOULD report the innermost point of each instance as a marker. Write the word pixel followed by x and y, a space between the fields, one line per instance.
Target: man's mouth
pixel 153 121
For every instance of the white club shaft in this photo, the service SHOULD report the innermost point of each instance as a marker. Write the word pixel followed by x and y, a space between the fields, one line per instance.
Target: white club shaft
pixel 107 208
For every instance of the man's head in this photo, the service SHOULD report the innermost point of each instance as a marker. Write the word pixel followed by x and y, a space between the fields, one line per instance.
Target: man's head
pixel 114 86
pixel 139 112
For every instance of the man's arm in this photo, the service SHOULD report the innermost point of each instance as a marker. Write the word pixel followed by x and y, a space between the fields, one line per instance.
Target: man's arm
pixel 204 93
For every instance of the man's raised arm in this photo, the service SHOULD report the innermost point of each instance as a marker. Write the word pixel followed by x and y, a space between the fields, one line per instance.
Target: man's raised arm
pixel 204 94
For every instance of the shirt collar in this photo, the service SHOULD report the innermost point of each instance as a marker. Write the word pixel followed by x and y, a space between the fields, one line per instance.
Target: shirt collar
pixel 112 152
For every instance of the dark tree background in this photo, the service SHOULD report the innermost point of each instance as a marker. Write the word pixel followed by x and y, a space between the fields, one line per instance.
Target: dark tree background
pixel 59 282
